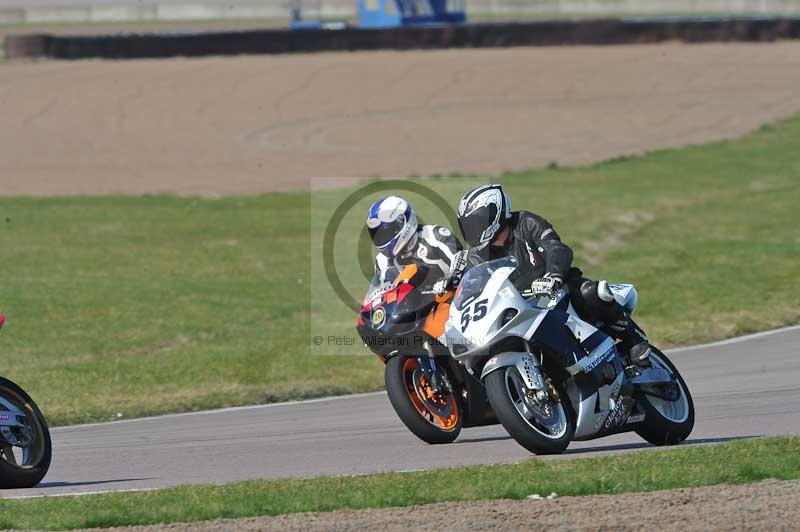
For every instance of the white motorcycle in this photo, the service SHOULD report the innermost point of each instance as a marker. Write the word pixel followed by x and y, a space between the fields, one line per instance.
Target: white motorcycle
pixel 550 376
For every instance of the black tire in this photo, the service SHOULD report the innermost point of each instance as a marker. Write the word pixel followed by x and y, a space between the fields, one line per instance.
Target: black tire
pixel 499 397
pixel 658 429
pixel 26 475
pixel 401 393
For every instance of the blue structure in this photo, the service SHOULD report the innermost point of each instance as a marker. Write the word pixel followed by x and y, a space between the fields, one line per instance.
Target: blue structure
pixel 394 13
pixel 383 13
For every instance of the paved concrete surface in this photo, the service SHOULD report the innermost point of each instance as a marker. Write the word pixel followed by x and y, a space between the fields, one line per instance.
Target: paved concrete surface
pixel 746 388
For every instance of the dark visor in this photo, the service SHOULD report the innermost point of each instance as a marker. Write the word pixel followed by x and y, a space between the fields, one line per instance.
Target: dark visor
pixel 384 233
pixel 473 226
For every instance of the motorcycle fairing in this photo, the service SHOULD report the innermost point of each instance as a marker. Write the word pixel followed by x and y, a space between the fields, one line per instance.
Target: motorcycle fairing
pixel 625 295
pixel 592 398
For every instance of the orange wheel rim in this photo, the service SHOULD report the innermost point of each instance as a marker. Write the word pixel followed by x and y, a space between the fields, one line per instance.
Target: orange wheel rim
pixel 441 401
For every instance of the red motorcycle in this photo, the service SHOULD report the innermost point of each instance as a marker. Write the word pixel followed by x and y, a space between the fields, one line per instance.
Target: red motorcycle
pixel 25 446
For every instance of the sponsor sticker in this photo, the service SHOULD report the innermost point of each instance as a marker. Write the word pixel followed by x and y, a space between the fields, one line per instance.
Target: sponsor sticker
pixel 378 317
pixel 595 361
pixel 638 418
pixel 505 293
pixel 531 256
pixel 620 413
pixel 599 421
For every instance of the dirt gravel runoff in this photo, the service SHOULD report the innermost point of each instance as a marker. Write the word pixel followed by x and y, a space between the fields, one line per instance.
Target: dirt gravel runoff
pixel 256 124
pixel 771 505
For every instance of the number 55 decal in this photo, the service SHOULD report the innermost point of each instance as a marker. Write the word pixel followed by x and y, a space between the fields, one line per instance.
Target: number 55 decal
pixel 479 313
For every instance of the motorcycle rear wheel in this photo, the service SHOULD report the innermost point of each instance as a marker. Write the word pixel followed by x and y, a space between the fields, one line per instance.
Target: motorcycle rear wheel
pixel 667 422
pixel 24 467
pixel 434 418
pixel 523 420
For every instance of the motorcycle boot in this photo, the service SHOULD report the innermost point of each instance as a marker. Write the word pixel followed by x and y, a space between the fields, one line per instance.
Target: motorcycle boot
pixel 621 327
pixel 633 340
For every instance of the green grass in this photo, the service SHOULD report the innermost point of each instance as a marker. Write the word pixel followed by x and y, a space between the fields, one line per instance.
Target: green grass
pixel 147 305
pixel 690 466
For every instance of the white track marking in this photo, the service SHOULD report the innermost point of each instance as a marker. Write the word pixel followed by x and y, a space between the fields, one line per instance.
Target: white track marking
pixel 735 340
pixel 219 410
pixel 80 493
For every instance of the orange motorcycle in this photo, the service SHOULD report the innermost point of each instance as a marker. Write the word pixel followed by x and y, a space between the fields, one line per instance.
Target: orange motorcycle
pixel 404 324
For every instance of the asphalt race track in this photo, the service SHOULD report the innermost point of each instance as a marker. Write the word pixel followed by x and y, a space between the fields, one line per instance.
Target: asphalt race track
pixel 743 388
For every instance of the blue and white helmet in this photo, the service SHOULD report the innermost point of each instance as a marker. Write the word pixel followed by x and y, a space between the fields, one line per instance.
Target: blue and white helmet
pixel 392 224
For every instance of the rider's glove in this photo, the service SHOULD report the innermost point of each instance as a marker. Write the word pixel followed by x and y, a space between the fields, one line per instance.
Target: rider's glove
pixel 440 287
pixel 549 284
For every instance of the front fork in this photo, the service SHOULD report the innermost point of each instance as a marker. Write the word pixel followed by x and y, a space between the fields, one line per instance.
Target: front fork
pixel 436 376
pixel 535 380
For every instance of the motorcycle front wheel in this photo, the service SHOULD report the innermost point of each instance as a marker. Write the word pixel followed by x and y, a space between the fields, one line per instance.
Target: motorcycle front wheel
pixel 25 448
pixel 434 417
pixel 543 426
pixel 669 409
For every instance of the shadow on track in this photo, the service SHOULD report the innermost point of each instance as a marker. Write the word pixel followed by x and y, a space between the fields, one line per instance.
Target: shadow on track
pixel 87 483
pixel 617 447
pixel 485 438
pixel 645 445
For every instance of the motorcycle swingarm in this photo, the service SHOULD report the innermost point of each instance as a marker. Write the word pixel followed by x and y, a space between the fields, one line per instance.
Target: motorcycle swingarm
pixel 652 376
pixel 650 382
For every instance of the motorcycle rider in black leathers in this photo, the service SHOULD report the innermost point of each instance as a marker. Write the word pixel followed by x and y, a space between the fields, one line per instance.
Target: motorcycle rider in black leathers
pixel 400 241
pixel 493 231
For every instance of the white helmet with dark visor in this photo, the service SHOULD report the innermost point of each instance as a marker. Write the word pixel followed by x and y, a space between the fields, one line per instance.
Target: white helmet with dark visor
pixel 482 214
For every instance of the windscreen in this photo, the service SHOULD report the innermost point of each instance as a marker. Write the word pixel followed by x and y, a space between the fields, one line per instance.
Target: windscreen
pixel 378 285
pixel 475 279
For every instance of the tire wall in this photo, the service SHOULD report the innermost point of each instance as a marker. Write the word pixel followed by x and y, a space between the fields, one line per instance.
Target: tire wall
pixel 543 33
